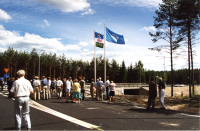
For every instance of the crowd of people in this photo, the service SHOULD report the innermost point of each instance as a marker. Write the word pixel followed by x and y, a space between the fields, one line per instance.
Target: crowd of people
pixel 74 90
pixel 22 90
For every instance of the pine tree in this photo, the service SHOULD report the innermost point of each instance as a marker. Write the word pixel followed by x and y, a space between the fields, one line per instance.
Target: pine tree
pixel 188 20
pixel 165 23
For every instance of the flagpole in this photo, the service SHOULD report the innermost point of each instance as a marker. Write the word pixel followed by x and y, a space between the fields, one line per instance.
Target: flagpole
pixel 94 59
pixel 104 53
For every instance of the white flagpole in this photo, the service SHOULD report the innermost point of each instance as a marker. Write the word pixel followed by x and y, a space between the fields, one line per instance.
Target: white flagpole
pixel 94 59
pixel 104 53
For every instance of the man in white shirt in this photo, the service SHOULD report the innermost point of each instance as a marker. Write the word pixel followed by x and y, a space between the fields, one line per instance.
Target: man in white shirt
pixel 49 87
pixel 37 88
pixel 59 87
pixel 21 90
pixel 67 89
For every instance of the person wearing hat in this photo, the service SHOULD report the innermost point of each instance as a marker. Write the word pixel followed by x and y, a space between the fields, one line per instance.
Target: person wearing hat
pixel 161 93
pixel 82 83
pixel 36 88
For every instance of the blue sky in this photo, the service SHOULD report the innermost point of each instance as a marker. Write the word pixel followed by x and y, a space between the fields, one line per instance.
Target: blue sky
pixel 67 26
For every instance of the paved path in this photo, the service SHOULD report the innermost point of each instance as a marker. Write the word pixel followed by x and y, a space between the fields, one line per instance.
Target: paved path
pixel 55 114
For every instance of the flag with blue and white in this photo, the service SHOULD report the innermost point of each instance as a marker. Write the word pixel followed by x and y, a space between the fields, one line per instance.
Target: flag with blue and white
pixel 113 37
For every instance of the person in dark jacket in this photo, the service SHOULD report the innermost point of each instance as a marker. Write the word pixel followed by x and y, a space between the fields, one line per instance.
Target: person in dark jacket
pixel 10 83
pixel 2 84
pixel 152 93
pixel 82 83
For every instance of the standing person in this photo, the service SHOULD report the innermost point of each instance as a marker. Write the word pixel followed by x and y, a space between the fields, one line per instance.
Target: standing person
pixel 37 88
pixel 10 83
pixel 152 94
pixel 2 84
pixel 44 88
pixel 76 91
pixel 21 89
pixel 92 86
pixel 112 91
pixel 82 83
pixel 59 87
pixel 64 85
pixel 49 87
pixel 161 93
pixel 107 87
pixel 71 93
pixel 53 84
pixel 99 89
pixel 96 87
pixel 68 89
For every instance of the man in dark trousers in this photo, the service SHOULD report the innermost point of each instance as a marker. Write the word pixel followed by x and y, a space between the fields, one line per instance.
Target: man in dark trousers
pixel 64 86
pixel 152 94
pixel 2 84
pixel 10 83
pixel 82 83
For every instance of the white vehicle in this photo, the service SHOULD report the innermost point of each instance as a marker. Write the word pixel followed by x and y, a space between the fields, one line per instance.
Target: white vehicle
pixel 182 85
pixel 177 85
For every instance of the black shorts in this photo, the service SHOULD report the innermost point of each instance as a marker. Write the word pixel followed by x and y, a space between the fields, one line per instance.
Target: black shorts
pixel 112 93
pixel 52 87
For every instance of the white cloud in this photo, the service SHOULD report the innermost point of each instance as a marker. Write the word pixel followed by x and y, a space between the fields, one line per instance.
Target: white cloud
pixel 86 50
pixel 29 41
pixel 151 28
pixel 1 27
pixel 67 5
pixel 46 22
pixel 139 3
pixel 42 25
pixel 88 11
pixel 2 49
pixel 83 44
pixel 4 16
pixel 99 23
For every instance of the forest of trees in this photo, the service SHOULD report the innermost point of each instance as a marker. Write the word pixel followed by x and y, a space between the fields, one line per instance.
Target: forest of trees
pixel 55 66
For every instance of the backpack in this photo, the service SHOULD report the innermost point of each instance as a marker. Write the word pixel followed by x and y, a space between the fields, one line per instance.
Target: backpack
pixel 52 83
pixel 44 82
pixel 32 81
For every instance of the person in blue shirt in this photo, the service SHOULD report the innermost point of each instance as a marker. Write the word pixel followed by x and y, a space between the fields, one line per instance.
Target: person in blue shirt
pixel 99 89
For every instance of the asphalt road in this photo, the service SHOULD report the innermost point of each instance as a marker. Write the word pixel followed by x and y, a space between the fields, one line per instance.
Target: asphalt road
pixel 98 114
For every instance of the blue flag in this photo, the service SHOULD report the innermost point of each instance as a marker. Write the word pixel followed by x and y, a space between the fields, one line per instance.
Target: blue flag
pixel 113 37
pixel 98 35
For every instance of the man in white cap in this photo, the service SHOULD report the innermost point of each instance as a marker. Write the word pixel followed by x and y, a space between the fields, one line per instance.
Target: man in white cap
pixel 21 90
pixel 161 93
pixel 36 87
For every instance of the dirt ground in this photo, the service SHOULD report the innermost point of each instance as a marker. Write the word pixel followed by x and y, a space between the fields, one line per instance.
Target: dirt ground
pixel 177 102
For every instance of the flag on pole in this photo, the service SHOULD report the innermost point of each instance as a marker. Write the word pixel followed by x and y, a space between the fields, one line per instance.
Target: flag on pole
pixel 99 40
pixel 113 37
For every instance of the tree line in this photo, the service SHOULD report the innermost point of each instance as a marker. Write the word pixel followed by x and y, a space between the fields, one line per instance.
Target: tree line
pixel 55 66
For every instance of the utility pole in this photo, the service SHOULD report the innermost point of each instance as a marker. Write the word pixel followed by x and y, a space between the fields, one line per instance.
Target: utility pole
pixel 39 65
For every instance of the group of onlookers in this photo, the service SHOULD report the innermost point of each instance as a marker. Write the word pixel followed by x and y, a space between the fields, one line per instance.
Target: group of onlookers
pixel 99 86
